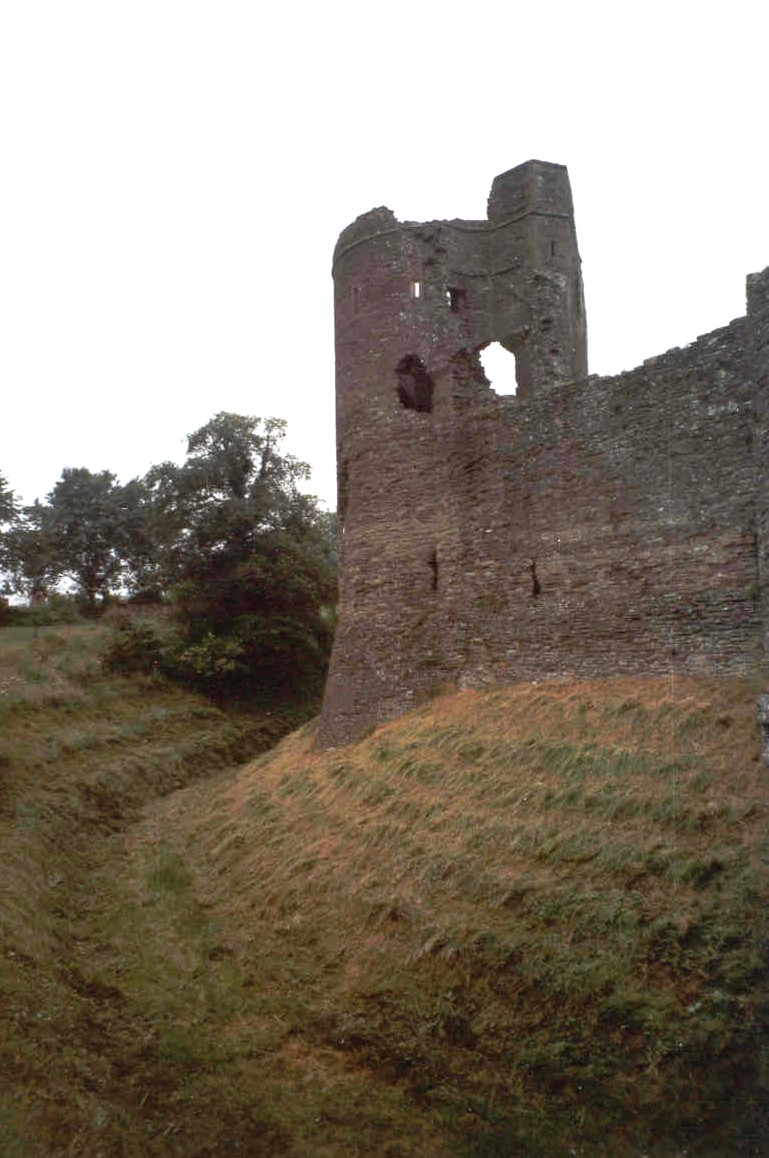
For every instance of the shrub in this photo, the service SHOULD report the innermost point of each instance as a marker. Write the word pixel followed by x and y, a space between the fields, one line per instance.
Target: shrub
pixel 57 609
pixel 133 648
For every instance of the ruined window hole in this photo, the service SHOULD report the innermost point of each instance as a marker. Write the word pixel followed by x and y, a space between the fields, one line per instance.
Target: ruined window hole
pixel 343 491
pixel 415 385
pixel 536 587
pixel 456 299
pixel 500 368
pixel 433 562
pixel 416 289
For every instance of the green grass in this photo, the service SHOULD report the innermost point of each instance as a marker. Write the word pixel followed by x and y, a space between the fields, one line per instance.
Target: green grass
pixel 81 754
pixel 526 923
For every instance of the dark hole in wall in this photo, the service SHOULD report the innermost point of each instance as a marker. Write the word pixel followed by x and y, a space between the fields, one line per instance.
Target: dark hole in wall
pixel 456 299
pixel 415 386
pixel 343 489
pixel 536 587
pixel 433 561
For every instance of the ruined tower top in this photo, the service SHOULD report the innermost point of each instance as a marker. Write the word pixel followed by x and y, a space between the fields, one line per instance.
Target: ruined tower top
pixel 431 289
pixel 536 187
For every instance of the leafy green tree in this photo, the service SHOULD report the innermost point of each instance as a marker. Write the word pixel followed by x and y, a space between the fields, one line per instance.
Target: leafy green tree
pixel 7 507
pixel 93 523
pixel 249 559
pixel 7 503
pixel 30 557
pixel 140 542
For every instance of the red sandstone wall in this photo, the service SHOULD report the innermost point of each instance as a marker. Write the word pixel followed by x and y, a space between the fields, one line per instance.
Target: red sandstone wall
pixel 758 315
pixel 591 527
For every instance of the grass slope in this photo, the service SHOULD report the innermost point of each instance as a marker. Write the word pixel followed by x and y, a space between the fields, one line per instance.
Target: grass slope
pixel 530 922
pixel 81 752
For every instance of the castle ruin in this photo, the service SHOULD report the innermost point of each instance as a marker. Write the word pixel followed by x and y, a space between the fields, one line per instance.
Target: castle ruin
pixel 583 526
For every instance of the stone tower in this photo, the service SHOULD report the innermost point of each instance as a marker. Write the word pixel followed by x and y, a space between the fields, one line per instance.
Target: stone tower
pixel 584 526
pixel 414 306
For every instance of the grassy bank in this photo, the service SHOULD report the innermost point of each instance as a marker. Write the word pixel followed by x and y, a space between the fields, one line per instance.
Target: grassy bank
pixel 531 923
pixel 81 753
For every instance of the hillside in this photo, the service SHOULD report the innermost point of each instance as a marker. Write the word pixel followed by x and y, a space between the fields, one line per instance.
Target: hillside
pixel 81 753
pixel 530 922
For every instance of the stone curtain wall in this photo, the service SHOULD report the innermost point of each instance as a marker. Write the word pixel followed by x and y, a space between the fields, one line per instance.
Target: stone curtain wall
pixel 758 315
pixel 631 500
pixel 586 526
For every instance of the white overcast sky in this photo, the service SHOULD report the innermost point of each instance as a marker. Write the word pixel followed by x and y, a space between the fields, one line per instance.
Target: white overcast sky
pixel 174 175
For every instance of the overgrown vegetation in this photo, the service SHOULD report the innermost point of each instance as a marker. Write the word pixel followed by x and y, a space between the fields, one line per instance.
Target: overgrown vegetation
pixel 529 922
pixel 241 558
pixel 82 751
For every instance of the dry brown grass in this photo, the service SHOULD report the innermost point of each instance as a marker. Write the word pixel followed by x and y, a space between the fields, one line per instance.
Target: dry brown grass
pixel 529 922
pixel 540 903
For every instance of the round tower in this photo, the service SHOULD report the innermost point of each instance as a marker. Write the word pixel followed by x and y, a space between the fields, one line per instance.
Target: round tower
pixel 416 423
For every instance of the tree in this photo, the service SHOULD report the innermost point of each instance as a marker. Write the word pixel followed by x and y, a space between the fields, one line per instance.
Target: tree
pixel 7 510
pixel 248 557
pixel 93 523
pixel 30 557
pixel 7 503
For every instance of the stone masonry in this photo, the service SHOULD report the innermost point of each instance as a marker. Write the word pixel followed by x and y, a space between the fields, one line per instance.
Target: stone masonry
pixel 585 526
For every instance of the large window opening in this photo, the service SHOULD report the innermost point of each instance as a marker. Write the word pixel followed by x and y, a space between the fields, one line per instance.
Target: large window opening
pixel 415 386
pixel 500 369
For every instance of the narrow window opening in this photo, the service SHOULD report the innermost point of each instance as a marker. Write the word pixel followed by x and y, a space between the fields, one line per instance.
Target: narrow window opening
pixel 456 299
pixel 500 369
pixel 415 386
pixel 343 490
pixel 433 561
pixel 552 249
pixel 416 289
pixel 536 588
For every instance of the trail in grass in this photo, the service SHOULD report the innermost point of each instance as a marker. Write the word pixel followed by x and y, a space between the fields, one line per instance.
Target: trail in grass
pixel 530 922
pixel 526 922
pixel 197 1055
pixel 81 754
